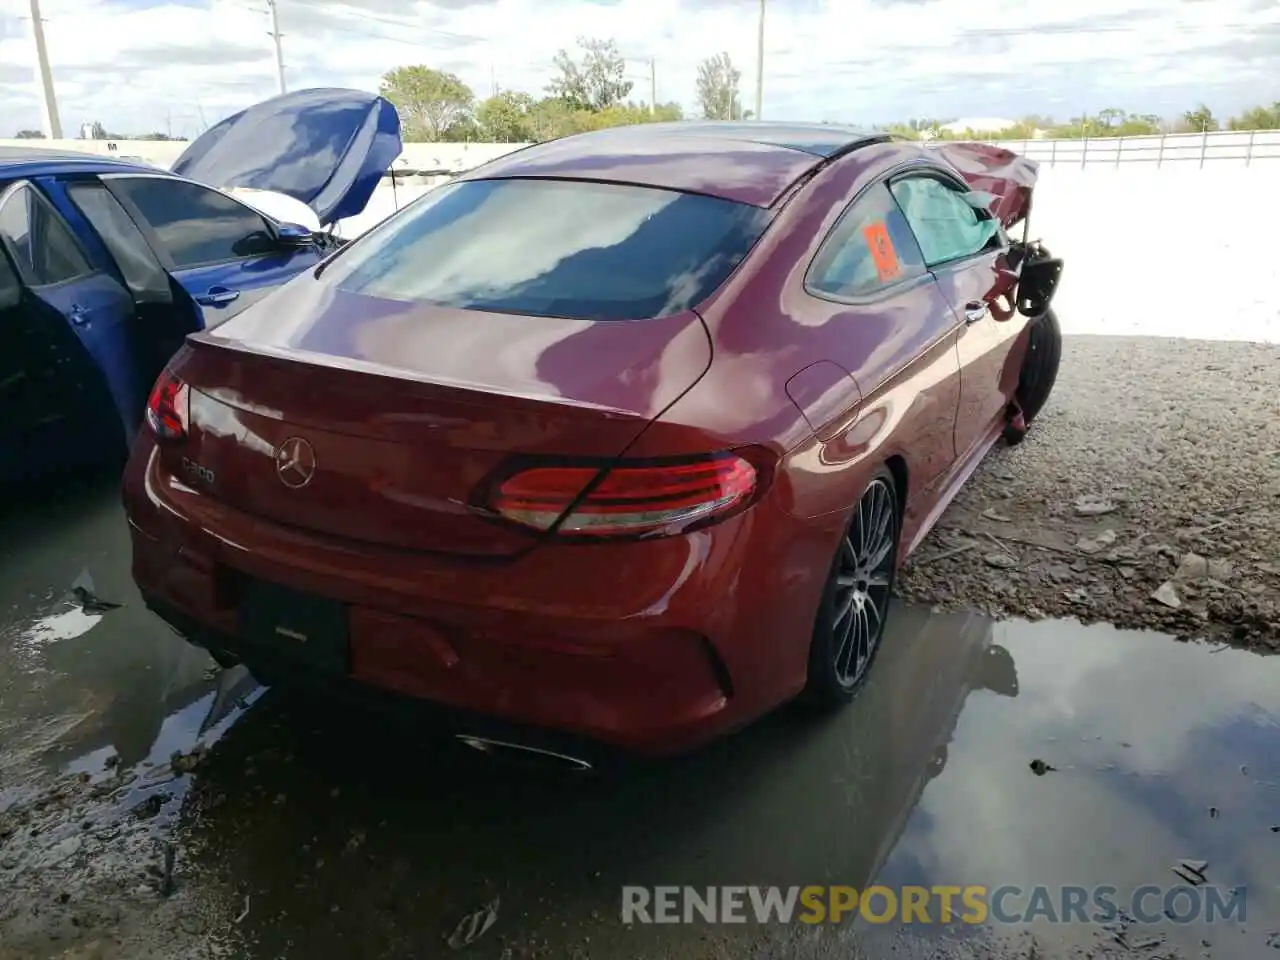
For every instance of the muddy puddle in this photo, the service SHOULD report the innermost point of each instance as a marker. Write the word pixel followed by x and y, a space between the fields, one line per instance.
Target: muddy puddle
pixel 153 807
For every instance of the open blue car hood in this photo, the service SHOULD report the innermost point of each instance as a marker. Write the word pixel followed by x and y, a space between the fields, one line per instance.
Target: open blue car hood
pixel 327 147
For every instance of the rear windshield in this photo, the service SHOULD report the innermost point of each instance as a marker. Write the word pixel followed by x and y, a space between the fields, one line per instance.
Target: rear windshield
pixel 555 248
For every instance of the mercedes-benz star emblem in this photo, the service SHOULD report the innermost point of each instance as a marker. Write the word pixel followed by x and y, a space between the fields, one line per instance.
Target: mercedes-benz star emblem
pixel 295 462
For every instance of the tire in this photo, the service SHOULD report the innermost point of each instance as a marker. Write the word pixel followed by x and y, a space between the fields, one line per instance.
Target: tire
pixel 856 598
pixel 1039 373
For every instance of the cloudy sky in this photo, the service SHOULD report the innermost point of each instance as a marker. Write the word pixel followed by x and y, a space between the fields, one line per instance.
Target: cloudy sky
pixel 179 64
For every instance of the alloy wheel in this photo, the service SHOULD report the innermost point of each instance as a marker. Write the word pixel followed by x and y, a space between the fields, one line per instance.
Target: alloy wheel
pixel 864 577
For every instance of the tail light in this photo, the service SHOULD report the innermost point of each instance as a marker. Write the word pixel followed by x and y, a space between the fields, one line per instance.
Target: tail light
pixel 167 408
pixel 631 499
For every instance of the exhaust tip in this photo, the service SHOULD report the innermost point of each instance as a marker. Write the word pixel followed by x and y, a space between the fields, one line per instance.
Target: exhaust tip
pixel 501 747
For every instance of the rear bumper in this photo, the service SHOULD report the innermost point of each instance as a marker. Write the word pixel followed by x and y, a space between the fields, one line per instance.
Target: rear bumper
pixel 652 647
pixel 431 716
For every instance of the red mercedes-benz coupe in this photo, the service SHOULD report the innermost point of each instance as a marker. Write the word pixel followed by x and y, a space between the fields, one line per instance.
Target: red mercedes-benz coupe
pixel 619 438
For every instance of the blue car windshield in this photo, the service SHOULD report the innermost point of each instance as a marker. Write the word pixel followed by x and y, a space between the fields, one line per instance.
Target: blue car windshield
pixel 575 249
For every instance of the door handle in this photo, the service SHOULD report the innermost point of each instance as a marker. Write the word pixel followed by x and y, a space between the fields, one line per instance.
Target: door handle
pixel 217 296
pixel 975 310
pixel 79 315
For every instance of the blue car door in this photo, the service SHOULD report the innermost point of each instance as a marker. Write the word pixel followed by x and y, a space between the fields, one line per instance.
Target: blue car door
pixel 225 255
pixel 65 292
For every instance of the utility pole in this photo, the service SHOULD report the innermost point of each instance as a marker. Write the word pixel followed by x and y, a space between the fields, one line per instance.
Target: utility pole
pixel 653 86
pixel 51 123
pixel 493 80
pixel 276 35
pixel 760 66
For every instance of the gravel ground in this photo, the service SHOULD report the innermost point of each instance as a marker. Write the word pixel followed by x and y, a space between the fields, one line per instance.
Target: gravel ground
pixel 1147 494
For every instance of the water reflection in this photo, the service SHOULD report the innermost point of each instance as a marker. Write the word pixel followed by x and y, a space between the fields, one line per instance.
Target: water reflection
pixel 79 683
pixel 396 831
pixel 1164 752
pixel 924 779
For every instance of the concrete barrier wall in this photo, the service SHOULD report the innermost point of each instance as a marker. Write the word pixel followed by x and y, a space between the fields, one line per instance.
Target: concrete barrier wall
pixel 425 157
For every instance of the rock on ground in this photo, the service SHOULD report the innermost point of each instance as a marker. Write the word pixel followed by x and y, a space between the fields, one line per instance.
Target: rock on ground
pixel 1147 494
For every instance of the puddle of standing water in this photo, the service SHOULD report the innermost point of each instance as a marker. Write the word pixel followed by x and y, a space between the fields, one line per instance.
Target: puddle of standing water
pixel 334 829
pixel 355 830
pixel 1164 752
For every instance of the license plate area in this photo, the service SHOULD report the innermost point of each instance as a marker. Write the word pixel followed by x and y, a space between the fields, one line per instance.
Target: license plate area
pixel 295 625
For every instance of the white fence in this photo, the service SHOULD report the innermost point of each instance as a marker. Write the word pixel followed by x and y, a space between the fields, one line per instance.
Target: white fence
pixel 1243 148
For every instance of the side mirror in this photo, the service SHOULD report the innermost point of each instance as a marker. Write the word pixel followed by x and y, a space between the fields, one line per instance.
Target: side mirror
pixel 1037 284
pixel 294 235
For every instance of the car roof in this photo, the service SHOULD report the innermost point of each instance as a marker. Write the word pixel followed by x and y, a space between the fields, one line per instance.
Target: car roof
pixel 35 161
pixel 748 162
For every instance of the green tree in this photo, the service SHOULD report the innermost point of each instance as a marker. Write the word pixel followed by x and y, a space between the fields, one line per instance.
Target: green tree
pixel 1257 118
pixel 717 86
pixel 28 135
pixel 549 118
pixel 429 101
pixel 1199 119
pixel 463 130
pixel 597 82
pixel 1134 125
pixel 505 117
pixel 1111 117
pixel 553 117
pixel 627 114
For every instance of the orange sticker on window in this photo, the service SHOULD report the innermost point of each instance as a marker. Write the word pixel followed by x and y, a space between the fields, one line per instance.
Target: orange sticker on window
pixel 882 252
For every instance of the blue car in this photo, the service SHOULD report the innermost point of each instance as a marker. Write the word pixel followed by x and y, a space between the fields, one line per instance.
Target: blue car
pixel 106 265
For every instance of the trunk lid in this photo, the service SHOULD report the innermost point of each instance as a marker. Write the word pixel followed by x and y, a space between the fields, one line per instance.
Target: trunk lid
pixel 1007 176
pixel 379 421
pixel 327 147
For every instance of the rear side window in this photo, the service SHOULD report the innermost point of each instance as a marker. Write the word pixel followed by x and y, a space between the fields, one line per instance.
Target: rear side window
pixel 556 248
pixel 196 225
pixel 870 248
pixel 145 277
pixel 40 243
pixel 945 223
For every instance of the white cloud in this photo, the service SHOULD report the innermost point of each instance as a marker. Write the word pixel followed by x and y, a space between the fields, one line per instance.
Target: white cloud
pixel 135 64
